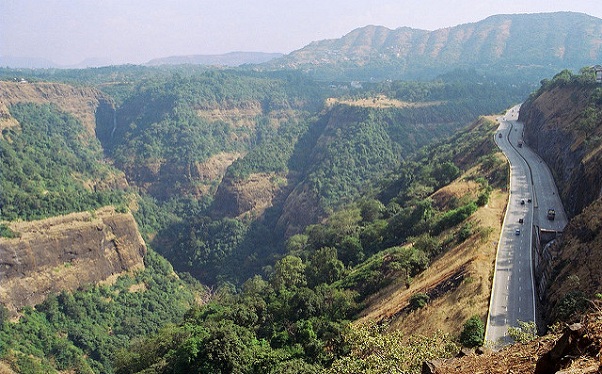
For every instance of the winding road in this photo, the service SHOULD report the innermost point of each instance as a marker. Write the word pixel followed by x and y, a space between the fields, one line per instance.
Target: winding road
pixel 532 193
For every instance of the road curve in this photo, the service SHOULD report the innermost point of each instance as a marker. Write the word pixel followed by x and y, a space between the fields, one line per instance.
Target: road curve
pixel 532 193
pixel 512 294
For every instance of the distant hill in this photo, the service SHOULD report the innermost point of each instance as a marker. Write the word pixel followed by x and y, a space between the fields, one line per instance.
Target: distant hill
pixel 227 59
pixel 542 43
pixel 26 62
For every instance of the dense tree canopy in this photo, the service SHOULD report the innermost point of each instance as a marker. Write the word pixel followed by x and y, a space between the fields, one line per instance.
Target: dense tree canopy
pixel 44 164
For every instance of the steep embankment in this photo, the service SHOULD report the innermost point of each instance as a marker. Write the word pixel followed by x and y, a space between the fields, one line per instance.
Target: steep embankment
pixel 563 124
pixel 458 282
pixel 576 264
pixel 66 253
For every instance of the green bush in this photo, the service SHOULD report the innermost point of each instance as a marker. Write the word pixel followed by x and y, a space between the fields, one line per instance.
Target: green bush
pixel 4 315
pixel 418 300
pixel 473 333
pixel 455 216
pixel 573 302
pixel 6 232
pixel 525 332
pixel 465 232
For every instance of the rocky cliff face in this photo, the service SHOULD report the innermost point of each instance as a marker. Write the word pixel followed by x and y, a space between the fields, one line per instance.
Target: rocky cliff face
pixel 563 126
pixel 66 253
pixel 252 195
pixel 554 129
pixel 80 102
pixel 576 264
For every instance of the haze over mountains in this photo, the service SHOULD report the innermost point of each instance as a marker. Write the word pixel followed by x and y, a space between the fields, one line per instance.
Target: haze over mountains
pixel 542 42
pixel 227 59
pixel 545 41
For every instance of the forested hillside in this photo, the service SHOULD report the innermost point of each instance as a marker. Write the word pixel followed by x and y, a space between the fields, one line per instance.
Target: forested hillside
pixel 81 331
pixel 294 209
pixel 296 317
pixel 291 164
pixel 51 166
pixel 289 224
pixel 48 165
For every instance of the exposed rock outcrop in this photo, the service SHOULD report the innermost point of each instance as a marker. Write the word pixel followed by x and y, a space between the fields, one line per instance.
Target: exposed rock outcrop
pixel 165 178
pixel 560 126
pixel 576 265
pixel 80 102
pixel 252 195
pixel 301 209
pixel 552 129
pixel 575 350
pixel 66 253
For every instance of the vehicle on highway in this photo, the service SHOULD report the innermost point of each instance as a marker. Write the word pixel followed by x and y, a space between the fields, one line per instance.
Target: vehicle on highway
pixel 517 232
pixel 529 200
pixel 551 214
pixel 520 144
pixel 499 135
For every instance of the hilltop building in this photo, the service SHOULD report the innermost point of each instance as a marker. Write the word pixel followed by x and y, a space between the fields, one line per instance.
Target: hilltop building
pixel 598 70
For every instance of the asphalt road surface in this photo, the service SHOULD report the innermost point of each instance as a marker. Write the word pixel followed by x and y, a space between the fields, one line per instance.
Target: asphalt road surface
pixel 532 193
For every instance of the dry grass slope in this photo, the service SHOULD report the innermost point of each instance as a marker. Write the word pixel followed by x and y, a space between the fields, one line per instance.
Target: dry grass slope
pixel 458 282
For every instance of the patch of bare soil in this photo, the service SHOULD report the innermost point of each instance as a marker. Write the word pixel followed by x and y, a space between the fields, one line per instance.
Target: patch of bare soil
pixel 5 368
pixel 6 120
pixel 237 116
pixel 381 101
pixel 445 197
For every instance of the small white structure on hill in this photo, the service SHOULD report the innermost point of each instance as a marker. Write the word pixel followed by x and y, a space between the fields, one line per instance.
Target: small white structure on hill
pixel 598 70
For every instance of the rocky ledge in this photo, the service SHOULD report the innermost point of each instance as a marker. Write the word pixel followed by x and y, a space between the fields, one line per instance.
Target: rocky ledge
pixel 66 253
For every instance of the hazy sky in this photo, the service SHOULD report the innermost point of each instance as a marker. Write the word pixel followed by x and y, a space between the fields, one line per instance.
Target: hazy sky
pixel 135 31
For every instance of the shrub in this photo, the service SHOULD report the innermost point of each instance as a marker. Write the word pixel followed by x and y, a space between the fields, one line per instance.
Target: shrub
pixel 525 332
pixel 455 216
pixel 6 232
pixel 418 300
pixel 4 314
pixel 473 333
pixel 573 302
pixel 465 232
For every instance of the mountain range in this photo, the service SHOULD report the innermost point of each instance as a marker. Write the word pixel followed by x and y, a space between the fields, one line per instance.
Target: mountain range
pixel 537 44
pixel 227 59
pixel 544 42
